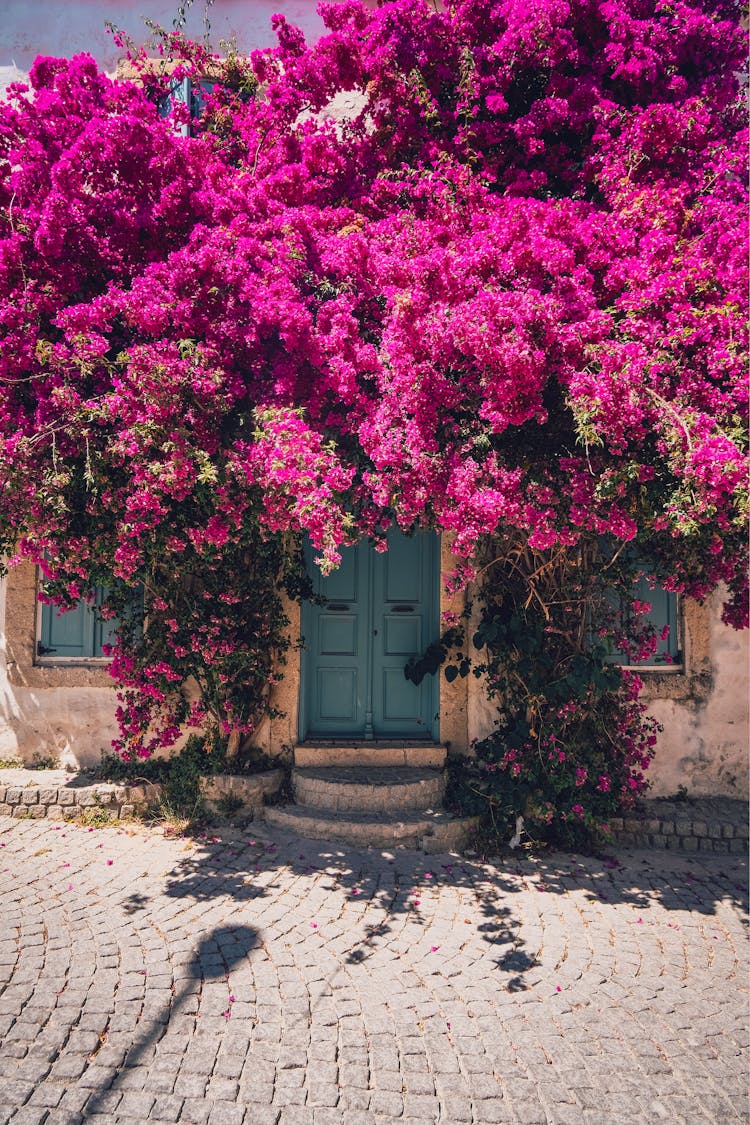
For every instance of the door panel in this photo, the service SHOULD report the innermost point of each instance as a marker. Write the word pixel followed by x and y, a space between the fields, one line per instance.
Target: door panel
pixel 338 635
pixel 403 573
pixel 380 609
pixel 335 660
pixel 337 695
pixel 402 638
pixel 404 623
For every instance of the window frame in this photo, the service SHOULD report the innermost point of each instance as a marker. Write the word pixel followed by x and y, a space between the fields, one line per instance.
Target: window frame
pixel 192 94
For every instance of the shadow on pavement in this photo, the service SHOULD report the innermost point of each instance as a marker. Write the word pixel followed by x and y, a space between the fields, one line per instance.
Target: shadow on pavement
pixel 245 864
pixel 216 956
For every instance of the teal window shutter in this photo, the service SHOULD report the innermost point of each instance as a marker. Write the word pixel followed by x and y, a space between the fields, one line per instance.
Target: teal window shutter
pixel 77 633
pixel 198 92
pixel 68 634
pixel 663 615
pixel 180 92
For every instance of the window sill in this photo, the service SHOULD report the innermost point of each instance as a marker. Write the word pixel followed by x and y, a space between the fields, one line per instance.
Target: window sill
pixel 674 683
pixel 655 669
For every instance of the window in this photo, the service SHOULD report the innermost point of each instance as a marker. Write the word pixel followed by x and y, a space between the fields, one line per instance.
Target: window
pixel 80 633
pixel 663 618
pixel 77 634
pixel 185 91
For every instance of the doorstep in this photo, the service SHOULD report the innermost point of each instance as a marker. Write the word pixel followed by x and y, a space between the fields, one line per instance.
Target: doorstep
pixel 411 754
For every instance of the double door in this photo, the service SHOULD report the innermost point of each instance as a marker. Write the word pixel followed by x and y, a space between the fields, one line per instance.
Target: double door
pixel 379 609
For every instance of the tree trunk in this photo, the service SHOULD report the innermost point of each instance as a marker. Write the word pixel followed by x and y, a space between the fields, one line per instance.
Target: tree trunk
pixel 233 746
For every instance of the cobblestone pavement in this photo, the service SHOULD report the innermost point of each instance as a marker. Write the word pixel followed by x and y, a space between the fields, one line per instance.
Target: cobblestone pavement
pixel 260 978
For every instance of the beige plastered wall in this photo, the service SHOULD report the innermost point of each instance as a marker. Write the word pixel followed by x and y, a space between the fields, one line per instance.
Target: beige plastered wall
pixel 704 713
pixel 67 710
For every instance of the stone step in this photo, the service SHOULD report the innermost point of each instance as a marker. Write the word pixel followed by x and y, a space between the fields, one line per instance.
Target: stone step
pixel 431 831
pixel 415 754
pixel 368 788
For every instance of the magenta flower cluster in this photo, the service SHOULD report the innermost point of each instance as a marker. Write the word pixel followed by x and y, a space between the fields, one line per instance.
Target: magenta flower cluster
pixel 507 293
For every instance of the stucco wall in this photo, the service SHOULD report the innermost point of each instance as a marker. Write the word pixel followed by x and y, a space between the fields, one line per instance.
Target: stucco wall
pixel 68 711
pixel 704 745
pixel 703 708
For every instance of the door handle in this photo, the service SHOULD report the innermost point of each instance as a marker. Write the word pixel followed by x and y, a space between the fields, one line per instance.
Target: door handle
pixel 402 609
pixel 337 607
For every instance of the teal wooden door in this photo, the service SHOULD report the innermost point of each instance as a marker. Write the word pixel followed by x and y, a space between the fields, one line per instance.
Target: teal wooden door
pixel 380 609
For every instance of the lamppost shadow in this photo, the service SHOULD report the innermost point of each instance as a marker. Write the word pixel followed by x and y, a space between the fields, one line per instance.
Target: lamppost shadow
pixel 218 953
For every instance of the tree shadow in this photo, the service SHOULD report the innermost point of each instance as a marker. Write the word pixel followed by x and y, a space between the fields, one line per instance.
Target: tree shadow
pixel 395 888
pixel 671 880
pixel 392 894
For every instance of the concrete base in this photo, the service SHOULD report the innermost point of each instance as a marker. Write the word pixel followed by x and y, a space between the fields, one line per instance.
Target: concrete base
pixel 250 791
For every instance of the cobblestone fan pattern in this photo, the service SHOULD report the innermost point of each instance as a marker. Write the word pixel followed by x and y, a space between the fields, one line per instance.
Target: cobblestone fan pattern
pixel 696 824
pixel 260 979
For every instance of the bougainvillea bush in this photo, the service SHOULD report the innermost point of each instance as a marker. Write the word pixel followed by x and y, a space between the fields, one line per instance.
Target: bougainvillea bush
pixel 572 741
pixel 505 297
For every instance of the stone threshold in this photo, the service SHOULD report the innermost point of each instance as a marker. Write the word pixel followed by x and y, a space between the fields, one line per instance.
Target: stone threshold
pixel 429 830
pixel 414 754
